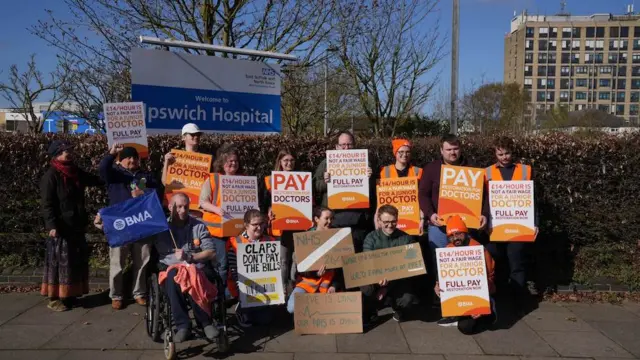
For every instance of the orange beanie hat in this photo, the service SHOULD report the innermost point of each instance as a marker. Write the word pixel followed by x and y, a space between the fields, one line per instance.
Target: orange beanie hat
pixel 455 224
pixel 398 143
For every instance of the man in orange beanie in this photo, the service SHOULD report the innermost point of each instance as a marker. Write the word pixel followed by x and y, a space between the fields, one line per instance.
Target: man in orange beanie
pixel 458 235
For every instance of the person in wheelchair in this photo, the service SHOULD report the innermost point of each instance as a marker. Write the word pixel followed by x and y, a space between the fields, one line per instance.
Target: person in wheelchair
pixel 194 246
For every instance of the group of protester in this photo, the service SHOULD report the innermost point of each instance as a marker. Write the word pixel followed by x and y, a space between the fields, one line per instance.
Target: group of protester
pixel 66 219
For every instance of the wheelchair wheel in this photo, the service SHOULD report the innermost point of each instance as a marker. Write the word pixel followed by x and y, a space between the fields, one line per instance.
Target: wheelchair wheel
pixel 153 309
pixel 169 348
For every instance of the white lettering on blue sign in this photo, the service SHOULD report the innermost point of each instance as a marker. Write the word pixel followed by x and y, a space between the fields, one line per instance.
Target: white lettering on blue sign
pixel 120 224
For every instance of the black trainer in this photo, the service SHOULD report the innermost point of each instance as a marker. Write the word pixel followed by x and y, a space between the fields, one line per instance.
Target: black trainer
pixel 448 321
pixel 397 316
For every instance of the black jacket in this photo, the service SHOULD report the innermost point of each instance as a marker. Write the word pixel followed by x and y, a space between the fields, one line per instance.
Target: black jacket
pixel 119 180
pixel 62 205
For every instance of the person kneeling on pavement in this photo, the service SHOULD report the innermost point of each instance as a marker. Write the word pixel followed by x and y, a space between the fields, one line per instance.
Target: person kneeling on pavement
pixel 397 293
pixel 458 235
pixel 188 267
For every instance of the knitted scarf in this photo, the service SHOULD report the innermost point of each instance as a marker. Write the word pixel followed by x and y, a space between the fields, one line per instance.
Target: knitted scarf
pixel 68 170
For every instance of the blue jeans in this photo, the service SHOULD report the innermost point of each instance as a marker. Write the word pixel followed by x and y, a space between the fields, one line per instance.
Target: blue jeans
pixel 291 304
pixel 437 237
pixel 221 259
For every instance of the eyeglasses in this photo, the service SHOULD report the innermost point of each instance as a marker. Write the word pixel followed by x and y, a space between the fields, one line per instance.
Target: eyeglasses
pixel 391 222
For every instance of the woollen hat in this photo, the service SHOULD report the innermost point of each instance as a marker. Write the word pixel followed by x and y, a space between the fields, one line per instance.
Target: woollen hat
pixel 128 152
pixel 190 128
pixel 57 147
pixel 398 143
pixel 455 224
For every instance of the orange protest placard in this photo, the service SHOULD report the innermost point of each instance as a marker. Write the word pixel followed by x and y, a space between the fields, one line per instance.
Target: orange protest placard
pixel 349 185
pixel 461 191
pixel 125 123
pixel 186 175
pixel 291 200
pixel 403 194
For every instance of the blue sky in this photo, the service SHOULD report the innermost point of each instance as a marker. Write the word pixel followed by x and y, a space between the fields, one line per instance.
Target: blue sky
pixel 483 25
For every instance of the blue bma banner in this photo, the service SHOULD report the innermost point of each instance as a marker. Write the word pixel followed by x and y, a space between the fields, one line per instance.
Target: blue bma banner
pixel 133 220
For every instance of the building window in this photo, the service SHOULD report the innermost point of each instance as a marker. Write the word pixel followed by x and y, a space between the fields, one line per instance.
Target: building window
pixel 635 58
pixel 565 95
pixel 604 95
pixel 11 125
pixel 624 44
pixel 551 71
pixel 542 70
pixel 527 70
pixel 530 32
pixel 565 71
pixel 622 58
pixel 633 109
pixel 635 84
pixel 589 44
pixel 620 96
pixel 619 109
pixel 605 69
pixel 581 69
pixel 622 71
pixel 599 44
pixel 543 32
pixel 624 32
pixel 588 59
pixel 565 44
pixel 542 83
pixel 576 59
pixel 542 58
pixel 604 108
pixel 576 32
pixel 528 44
pixel 604 83
pixel 593 84
pixel 528 58
pixel 635 96
pixel 621 84
pixel 566 32
pixel 581 95
pixel 636 44
pixel 600 32
pixel 554 32
pixel 552 58
pixel 575 45
pixel 528 83
pixel 635 71
pixel 566 84
pixel 581 83
pixel 565 58
pixel 591 32
pixel 551 95
pixel 540 96
pixel 614 32
pixel 553 45
pixel 613 58
pixel 599 58
pixel 542 45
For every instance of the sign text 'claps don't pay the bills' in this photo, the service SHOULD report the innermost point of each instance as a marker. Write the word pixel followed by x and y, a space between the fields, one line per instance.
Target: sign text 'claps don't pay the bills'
pixel 337 313
pixel 238 194
pixel 125 125
pixel 461 191
pixel 315 249
pixel 259 275
pixel 512 210
pixel 462 274
pixel 186 175
pixel 371 267
pixel 291 200
pixel 349 185
pixel 403 194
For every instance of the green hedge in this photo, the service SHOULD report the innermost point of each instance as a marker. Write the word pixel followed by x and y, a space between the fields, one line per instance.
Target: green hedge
pixel 587 189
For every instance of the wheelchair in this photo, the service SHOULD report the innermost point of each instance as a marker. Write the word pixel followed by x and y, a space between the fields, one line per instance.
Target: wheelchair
pixel 159 321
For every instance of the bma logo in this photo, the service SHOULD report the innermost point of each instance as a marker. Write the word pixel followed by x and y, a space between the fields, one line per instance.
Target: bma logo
pixel 120 224
pixel 268 72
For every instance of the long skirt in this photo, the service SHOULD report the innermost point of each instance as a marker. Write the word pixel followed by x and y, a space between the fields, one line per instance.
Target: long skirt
pixel 66 267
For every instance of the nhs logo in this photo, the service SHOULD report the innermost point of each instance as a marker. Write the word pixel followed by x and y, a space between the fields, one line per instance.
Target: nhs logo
pixel 268 72
pixel 120 224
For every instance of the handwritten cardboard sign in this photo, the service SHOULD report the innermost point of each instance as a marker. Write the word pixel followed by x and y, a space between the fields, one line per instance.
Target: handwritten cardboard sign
pixel 238 194
pixel 461 191
pixel 462 274
pixel 394 263
pixel 259 275
pixel 512 211
pixel 316 248
pixel 338 313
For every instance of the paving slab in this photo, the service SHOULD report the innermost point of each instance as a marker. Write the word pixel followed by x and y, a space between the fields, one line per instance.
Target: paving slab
pixel 429 338
pixel 583 344
pixel 632 306
pixel 27 336
pixel 405 357
pixel 12 305
pixel 100 355
pixel 32 354
pixel 548 306
pixel 292 342
pixel 556 321
pixel 316 356
pixel 137 339
pixel 480 357
pixel 517 340
pixel 249 340
pixel 625 334
pixel 602 312
pixel 386 338
pixel 39 315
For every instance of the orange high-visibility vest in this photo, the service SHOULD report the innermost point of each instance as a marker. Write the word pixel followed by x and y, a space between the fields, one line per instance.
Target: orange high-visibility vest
pixel 390 172
pixel 272 231
pixel 521 172
pixel 232 245
pixel 321 285
pixel 211 220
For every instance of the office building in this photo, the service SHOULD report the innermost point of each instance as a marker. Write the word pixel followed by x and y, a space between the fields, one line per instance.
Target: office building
pixel 582 62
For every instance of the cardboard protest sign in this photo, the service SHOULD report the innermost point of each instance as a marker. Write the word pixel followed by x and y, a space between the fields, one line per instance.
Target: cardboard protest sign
pixel 512 211
pixel 186 175
pixel 403 194
pixel 327 247
pixel 238 194
pixel 349 185
pixel 338 313
pixel 259 275
pixel 291 200
pixel 394 263
pixel 461 191
pixel 462 274
pixel 125 125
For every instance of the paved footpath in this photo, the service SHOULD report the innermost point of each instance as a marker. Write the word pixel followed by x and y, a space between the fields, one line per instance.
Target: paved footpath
pixel 28 330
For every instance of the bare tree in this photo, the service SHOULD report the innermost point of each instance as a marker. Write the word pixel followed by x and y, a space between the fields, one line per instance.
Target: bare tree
pixel 387 47
pixel 497 107
pixel 100 63
pixel 23 89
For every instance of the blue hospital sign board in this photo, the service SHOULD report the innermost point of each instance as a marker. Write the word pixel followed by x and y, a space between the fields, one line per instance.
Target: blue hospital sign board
pixel 220 95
